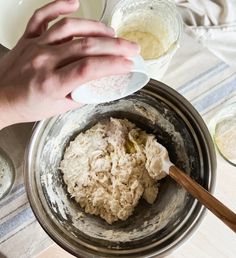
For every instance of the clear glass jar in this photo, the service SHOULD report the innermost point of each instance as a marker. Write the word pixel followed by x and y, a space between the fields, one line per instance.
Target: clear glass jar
pixel 90 9
pixel 156 25
pixel 223 131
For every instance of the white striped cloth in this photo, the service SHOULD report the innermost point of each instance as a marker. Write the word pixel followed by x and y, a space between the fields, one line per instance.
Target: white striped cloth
pixel 203 79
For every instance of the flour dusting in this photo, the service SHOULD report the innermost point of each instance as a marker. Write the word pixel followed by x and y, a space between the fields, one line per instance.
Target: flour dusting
pixel 150 219
pixel 111 166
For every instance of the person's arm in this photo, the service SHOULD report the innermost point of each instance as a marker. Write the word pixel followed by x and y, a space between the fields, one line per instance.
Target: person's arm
pixel 38 75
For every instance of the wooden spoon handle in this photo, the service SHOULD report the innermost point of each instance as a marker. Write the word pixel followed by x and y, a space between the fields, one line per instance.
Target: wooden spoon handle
pixel 203 196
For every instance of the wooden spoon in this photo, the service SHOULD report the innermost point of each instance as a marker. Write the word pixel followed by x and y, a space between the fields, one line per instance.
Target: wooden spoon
pixel 204 197
pixel 196 190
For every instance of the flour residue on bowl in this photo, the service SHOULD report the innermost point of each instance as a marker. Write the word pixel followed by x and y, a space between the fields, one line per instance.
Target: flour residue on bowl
pixel 157 118
pixel 6 175
pixel 145 221
pixel 146 228
pixel 105 89
pixel 110 85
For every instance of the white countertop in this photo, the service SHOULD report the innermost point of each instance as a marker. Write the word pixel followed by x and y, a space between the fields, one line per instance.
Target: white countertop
pixel 208 84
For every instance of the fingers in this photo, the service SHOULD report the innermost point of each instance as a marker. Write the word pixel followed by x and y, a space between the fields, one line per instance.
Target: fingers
pixel 66 104
pixel 94 46
pixel 90 68
pixel 70 104
pixel 40 19
pixel 71 27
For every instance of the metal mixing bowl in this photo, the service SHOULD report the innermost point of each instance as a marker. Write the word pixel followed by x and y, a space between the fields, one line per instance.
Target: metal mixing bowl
pixel 153 230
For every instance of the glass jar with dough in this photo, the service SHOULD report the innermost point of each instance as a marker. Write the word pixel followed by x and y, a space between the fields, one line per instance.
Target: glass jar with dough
pixel 155 25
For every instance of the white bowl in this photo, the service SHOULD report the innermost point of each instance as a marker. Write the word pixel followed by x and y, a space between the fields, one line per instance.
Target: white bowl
pixel 113 87
pixel 14 15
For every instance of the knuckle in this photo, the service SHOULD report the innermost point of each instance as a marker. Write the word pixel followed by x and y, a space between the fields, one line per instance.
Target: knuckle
pixel 84 68
pixel 113 60
pixel 37 15
pixel 40 59
pixel 65 22
pixel 37 61
pixel 47 84
pixel 86 43
pixel 119 42
pixel 101 25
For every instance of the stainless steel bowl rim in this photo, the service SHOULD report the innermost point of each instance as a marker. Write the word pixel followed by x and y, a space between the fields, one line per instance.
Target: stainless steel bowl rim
pixel 41 215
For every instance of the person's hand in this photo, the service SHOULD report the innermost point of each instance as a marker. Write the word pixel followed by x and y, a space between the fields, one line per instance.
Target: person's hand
pixel 38 75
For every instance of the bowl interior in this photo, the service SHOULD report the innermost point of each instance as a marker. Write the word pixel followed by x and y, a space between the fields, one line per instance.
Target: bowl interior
pixel 150 224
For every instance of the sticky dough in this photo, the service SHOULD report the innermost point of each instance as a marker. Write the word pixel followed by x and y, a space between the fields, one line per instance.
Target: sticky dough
pixel 111 166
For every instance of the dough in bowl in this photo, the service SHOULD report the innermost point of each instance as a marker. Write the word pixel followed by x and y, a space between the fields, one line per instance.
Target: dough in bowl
pixel 108 168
